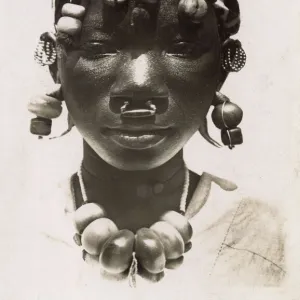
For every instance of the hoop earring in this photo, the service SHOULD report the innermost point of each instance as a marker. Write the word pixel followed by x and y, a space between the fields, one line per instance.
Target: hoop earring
pixel 233 56
pixel 45 53
pixel 227 116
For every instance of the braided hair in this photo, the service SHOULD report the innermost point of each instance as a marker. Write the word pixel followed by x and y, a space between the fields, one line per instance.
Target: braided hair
pixel 144 12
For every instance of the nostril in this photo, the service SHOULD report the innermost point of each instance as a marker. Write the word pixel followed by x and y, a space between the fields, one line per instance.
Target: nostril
pixel 117 102
pixel 159 104
pixel 128 111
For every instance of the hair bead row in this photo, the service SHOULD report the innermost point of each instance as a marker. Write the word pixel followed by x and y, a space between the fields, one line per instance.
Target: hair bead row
pixel 73 10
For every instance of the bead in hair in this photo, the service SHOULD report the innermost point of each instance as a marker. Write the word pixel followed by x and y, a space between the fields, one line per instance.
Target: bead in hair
pixel 69 25
pixel 144 17
pixel 73 10
pixel 193 10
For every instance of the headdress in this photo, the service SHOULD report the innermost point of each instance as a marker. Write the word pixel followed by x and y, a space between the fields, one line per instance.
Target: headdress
pixel 227 12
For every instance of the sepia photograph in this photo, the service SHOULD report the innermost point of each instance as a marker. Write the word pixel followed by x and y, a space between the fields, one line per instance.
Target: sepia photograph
pixel 150 150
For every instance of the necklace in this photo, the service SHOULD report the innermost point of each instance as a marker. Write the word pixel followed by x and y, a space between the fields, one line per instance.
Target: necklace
pixel 122 251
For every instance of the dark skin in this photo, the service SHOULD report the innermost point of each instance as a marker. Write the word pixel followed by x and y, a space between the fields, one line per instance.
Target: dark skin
pixel 177 67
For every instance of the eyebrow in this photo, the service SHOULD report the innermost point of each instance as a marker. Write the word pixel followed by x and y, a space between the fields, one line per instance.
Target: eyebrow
pixel 170 32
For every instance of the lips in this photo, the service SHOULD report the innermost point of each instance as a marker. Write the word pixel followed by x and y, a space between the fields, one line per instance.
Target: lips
pixel 137 137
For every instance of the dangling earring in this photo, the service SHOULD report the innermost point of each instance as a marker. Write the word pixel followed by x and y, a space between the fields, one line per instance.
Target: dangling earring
pixel 227 116
pixel 46 108
pixel 49 106
pixel 233 56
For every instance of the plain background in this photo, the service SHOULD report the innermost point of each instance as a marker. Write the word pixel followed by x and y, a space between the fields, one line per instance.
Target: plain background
pixel 267 164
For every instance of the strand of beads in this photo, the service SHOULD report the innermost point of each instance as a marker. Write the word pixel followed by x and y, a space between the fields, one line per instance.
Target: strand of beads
pixel 117 251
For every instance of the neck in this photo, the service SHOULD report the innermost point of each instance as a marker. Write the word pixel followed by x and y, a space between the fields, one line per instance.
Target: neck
pixel 104 172
pixel 133 199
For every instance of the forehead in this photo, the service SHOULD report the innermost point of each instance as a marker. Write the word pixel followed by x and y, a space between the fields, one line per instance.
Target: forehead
pixel 161 20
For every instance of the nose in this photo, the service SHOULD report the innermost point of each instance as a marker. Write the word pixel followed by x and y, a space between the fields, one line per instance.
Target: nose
pixel 139 89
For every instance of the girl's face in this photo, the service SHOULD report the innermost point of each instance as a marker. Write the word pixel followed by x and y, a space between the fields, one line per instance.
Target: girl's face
pixel 174 64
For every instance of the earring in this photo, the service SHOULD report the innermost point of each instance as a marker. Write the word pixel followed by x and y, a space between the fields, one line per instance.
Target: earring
pixel 45 52
pixel 233 56
pixel 46 108
pixel 227 116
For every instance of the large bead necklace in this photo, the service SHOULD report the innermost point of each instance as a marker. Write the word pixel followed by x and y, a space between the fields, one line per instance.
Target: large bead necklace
pixel 122 251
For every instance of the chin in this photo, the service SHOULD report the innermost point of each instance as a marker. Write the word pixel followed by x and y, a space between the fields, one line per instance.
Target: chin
pixel 138 160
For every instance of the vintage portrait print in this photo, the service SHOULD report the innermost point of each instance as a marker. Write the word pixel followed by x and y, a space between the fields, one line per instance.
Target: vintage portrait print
pixel 150 149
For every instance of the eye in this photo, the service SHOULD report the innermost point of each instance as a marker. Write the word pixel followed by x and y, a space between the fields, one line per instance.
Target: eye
pixel 185 50
pixel 94 50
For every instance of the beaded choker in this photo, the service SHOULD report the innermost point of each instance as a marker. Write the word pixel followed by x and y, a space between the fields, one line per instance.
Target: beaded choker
pixel 121 251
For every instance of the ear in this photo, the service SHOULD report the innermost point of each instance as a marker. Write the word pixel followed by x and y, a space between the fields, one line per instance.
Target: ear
pixel 222 79
pixel 223 73
pixel 54 72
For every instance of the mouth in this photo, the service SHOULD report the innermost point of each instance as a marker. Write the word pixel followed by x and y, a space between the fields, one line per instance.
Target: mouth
pixel 137 137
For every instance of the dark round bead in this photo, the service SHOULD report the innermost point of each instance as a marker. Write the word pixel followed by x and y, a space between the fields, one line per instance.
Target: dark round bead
pixel 231 137
pixel 40 126
pixel 232 115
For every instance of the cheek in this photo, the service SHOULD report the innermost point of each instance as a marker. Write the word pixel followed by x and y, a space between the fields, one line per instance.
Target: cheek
pixel 193 83
pixel 194 75
pixel 87 82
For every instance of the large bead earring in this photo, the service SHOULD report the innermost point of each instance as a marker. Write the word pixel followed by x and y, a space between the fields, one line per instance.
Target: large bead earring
pixel 233 56
pixel 227 116
pixel 46 108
